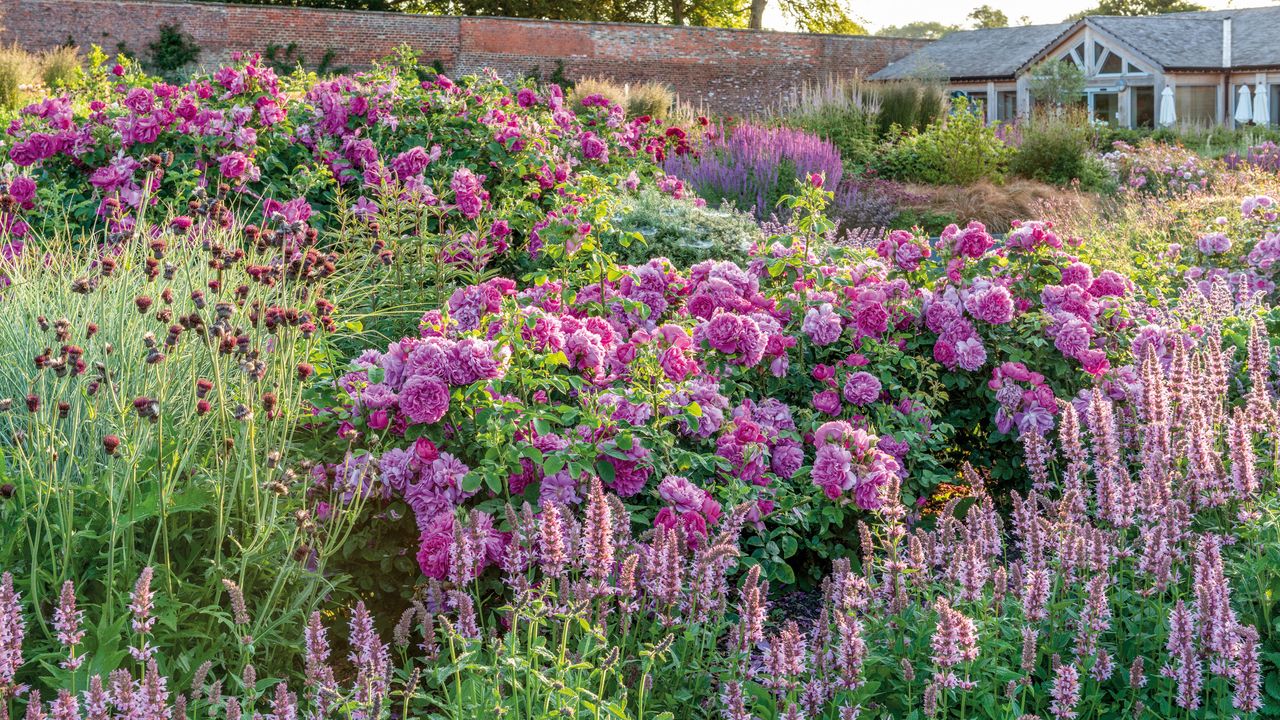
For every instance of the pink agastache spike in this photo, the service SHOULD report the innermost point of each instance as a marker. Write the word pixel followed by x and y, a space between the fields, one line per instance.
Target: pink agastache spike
pixel 1186 667
pixel 1246 675
pixel 66 623
pixel 140 604
pixel 551 542
pixel 598 535
pixel 1065 693
pixel 12 631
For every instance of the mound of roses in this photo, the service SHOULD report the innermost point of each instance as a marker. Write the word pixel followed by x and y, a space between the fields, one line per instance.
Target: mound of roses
pixel 799 384
pixel 483 167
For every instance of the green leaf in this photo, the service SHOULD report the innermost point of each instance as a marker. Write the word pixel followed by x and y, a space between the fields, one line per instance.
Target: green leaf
pixel 782 572
pixel 606 471
pixel 471 481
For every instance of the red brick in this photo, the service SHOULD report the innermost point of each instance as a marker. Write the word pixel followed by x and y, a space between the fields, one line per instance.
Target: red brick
pixel 733 71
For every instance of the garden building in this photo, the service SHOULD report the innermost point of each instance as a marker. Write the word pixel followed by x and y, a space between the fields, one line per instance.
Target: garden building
pixel 1199 68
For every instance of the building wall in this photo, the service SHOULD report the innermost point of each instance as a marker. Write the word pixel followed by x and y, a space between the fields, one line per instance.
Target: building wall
pixel 731 71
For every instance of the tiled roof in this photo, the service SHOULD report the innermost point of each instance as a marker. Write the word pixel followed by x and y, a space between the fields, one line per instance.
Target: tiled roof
pixel 1179 41
pixel 997 52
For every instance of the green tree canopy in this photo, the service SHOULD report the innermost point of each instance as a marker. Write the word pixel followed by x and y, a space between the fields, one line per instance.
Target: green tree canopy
pixel 985 16
pixel 921 29
pixel 1057 82
pixel 1139 7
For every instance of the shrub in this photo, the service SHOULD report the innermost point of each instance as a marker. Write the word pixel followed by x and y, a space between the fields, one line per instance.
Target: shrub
pixel 752 167
pixel 18 68
pixel 614 92
pixel 1158 169
pixel 1265 156
pixel 649 98
pixel 684 231
pixel 1058 148
pixel 841 110
pixel 956 150
pixel 60 66
pixel 1056 82
pixel 173 51
pixel 869 204
pixel 910 104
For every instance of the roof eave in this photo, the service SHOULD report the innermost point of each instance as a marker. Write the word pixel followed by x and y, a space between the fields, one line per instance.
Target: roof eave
pixel 1050 45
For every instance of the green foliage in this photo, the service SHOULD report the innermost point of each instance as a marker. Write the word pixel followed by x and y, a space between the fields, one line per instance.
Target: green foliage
pixel 1056 82
pixel 60 66
pixel 910 104
pixel 821 16
pixel 649 98
pixel 957 150
pixel 17 68
pixel 985 16
pixel 653 224
pixel 286 59
pixel 920 29
pixel 123 466
pixel 1144 7
pixel 1058 148
pixel 847 127
pixel 613 92
pixel 173 51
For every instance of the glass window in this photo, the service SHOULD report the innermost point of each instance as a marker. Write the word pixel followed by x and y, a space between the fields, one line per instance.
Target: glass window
pixel 1006 105
pixel 1144 106
pixel 1098 49
pixel 1106 107
pixel 1196 104
pixel 1112 65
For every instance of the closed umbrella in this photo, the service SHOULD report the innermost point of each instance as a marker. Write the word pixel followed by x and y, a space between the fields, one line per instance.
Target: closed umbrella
pixel 1262 105
pixel 1244 105
pixel 1168 115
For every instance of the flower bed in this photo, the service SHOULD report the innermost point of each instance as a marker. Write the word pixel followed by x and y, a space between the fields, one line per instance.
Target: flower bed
pixel 356 344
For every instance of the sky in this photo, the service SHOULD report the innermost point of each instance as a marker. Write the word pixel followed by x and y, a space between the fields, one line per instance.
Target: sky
pixel 875 14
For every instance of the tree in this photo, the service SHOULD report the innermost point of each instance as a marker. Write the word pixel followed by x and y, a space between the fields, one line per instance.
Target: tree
pixel 818 16
pixel 920 29
pixel 1056 82
pixel 985 16
pixel 1141 7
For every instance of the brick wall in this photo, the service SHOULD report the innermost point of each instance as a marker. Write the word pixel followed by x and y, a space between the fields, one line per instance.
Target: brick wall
pixel 727 70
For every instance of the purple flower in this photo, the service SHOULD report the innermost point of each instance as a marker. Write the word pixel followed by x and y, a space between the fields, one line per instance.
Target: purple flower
pixel 991 304
pixel 861 388
pixel 234 165
pixel 827 401
pixel 822 325
pixel 1214 243
pixel 971 354
pixel 424 399
pixel 468 192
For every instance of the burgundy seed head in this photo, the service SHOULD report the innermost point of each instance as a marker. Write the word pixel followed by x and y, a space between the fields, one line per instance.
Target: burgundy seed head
pixel 110 443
